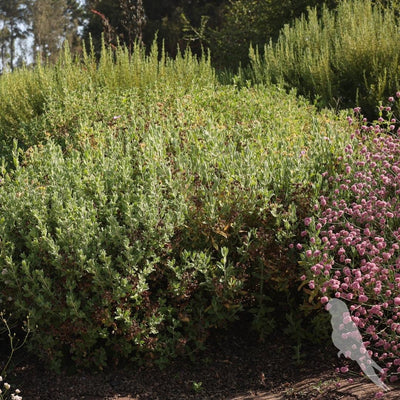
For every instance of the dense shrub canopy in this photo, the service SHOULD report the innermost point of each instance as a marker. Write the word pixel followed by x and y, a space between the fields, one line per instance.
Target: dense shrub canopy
pixel 144 204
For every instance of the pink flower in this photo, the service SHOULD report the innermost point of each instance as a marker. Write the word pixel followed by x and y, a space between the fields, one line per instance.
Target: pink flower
pixel 324 300
pixel 362 298
pixel 396 301
pixel 307 221
pixel 391 99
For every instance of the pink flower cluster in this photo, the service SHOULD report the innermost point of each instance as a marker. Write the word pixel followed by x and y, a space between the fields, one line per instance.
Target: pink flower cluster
pixel 353 249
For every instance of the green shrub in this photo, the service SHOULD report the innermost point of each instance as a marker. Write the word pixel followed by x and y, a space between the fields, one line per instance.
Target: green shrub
pixel 86 251
pixel 156 209
pixel 348 56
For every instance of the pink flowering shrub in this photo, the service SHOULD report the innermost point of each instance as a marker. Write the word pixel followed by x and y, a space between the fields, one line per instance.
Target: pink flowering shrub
pixel 352 248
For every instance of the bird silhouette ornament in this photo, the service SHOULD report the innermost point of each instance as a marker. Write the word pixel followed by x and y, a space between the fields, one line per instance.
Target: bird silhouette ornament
pixel 347 338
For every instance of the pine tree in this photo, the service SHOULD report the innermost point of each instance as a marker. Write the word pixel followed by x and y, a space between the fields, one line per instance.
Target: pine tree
pixel 117 20
pixel 54 21
pixel 75 17
pixel 14 26
pixel 133 19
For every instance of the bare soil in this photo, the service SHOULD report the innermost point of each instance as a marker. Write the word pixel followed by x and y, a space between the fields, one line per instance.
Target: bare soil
pixel 234 367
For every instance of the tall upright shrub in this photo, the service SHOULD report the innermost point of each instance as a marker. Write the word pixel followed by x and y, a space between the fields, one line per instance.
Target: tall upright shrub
pixel 252 22
pixel 348 55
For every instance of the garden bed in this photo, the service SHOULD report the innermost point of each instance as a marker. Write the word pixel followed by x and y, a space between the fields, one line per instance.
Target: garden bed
pixel 233 368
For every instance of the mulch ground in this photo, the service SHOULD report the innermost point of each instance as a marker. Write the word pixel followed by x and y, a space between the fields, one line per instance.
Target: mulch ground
pixel 235 367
